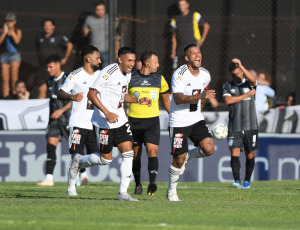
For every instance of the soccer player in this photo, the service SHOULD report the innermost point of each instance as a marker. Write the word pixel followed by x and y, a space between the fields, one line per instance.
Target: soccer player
pixel 111 126
pixel 59 116
pixel 190 90
pixel 144 121
pixel 242 126
pixel 76 88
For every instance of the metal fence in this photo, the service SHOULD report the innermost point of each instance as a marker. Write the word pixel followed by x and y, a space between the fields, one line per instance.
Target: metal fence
pixel 263 34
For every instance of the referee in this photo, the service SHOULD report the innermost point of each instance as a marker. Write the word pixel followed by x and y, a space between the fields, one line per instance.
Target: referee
pixel 144 121
pixel 243 129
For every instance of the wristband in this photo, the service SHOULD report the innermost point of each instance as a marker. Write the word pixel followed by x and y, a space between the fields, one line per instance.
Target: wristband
pixel 139 101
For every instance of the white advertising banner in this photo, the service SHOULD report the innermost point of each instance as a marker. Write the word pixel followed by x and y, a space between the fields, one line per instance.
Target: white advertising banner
pixel 34 114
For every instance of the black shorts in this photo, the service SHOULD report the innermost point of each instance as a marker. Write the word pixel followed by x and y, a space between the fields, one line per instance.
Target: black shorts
pixel 247 140
pixel 109 138
pixel 145 130
pixel 79 138
pixel 57 130
pixel 179 135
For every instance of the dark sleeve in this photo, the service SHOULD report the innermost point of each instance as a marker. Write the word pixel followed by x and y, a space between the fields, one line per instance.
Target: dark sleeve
pixel 226 89
pixel 202 21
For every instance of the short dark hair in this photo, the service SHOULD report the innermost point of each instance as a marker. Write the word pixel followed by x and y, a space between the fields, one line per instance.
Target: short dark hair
pixel 125 50
pixel 98 3
pixel 89 49
pixel 20 81
pixel 53 58
pixel 48 19
pixel 184 0
pixel 232 66
pixel 188 46
pixel 146 56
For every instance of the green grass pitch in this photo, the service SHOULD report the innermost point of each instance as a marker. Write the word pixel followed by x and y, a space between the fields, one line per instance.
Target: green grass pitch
pixel 267 205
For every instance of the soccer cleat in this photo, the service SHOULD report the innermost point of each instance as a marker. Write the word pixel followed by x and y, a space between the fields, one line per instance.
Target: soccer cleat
pixel 172 196
pixel 126 197
pixel 45 182
pixel 246 184
pixel 152 188
pixel 74 166
pixel 138 190
pixel 237 184
pixel 72 192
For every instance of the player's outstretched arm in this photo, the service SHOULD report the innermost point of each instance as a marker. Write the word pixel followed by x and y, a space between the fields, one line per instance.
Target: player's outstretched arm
pixel 143 101
pixel 62 95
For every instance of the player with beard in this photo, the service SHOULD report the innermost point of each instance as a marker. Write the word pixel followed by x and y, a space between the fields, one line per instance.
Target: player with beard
pixel 76 88
pixel 111 125
pixel 190 90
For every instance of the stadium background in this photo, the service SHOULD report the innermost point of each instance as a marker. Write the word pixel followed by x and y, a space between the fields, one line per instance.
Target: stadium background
pixel 263 34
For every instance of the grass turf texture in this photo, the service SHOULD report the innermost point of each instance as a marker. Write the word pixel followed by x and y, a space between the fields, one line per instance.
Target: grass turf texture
pixel 267 205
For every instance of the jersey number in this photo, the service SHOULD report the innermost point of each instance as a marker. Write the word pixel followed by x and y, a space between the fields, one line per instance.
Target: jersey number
pixel 128 129
pixel 194 105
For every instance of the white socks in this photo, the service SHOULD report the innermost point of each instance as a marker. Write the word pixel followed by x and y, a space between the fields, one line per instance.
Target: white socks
pixel 173 179
pixel 126 170
pixel 195 153
pixel 49 177
pixel 91 160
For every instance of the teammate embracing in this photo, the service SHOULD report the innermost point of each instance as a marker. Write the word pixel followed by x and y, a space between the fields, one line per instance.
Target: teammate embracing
pixel 111 126
pixel 190 90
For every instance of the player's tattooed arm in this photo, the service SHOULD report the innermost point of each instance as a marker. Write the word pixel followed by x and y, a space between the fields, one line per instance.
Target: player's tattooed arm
pixel 62 95
pixel 180 98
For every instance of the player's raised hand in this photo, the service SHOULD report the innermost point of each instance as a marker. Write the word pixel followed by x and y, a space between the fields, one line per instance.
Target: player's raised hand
pixel 145 101
pixel 111 117
pixel 237 61
pixel 77 97
pixel 208 94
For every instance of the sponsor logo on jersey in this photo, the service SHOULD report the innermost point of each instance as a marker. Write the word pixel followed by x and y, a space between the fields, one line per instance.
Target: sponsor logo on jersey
pixel 153 94
pixel 230 141
pixel 136 94
pixel 146 83
pixel 232 91
pixel 52 40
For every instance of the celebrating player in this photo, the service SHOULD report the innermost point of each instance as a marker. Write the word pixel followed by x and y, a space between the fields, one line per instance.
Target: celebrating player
pixel 109 119
pixel 190 90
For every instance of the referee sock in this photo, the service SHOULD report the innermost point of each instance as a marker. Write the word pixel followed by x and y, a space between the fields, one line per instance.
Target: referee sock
pixel 235 167
pixel 91 160
pixel 51 159
pixel 173 179
pixel 250 163
pixel 152 169
pixel 195 153
pixel 136 170
pixel 126 169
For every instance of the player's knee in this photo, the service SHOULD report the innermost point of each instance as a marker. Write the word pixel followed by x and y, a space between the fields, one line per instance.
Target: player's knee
pixel 209 150
pixel 152 153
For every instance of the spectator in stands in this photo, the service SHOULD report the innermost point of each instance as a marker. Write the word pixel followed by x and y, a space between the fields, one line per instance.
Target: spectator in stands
pixel 97 27
pixel 10 56
pixel 263 92
pixel 185 32
pixel 49 42
pixel 290 100
pixel 21 91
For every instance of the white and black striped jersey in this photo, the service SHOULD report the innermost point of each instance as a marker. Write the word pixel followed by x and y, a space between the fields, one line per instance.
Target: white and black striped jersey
pixel 242 115
pixel 112 86
pixel 80 81
pixel 54 85
pixel 183 81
